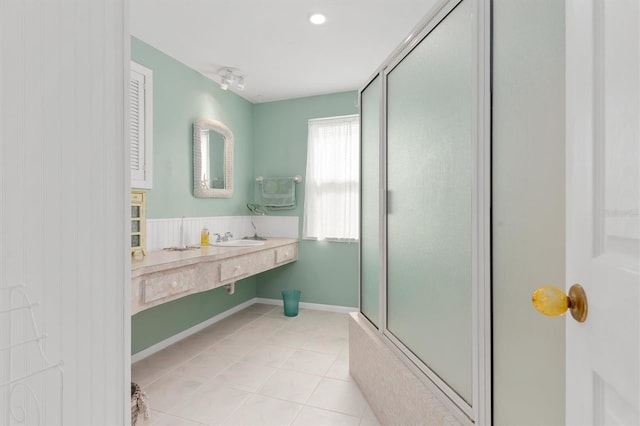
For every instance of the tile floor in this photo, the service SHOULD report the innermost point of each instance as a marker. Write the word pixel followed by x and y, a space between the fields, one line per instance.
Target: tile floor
pixel 256 367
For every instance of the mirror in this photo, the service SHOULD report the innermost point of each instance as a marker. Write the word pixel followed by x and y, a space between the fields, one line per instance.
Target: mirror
pixel 212 159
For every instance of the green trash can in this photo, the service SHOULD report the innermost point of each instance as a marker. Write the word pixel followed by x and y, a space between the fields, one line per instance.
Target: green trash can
pixel 291 299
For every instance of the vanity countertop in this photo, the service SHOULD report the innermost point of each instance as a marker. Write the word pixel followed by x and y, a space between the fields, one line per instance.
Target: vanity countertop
pixel 163 275
pixel 159 260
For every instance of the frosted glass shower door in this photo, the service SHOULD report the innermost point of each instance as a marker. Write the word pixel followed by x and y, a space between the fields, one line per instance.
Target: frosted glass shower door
pixel 369 201
pixel 429 217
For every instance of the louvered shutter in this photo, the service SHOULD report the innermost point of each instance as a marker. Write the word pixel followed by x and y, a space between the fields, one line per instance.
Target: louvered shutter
pixel 140 89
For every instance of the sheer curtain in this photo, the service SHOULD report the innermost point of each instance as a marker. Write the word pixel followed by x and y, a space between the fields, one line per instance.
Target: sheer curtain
pixel 331 206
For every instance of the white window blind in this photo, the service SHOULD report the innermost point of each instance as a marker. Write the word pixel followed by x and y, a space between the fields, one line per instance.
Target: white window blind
pixel 141 125
pixel 331 205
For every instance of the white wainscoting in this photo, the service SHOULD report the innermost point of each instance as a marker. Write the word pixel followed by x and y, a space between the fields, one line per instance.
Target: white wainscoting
pixel 64 180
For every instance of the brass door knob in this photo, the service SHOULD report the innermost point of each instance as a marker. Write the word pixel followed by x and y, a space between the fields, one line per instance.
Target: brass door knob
pixel 553 302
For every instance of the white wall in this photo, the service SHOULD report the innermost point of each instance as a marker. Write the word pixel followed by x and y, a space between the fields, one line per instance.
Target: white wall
pixel 63 209
pixel 528 209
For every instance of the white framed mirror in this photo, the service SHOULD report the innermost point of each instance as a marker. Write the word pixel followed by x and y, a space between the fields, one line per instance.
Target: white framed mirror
pixel 212 159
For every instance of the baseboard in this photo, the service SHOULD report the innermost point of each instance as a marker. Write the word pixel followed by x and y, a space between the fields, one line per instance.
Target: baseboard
pixel 314 306
pixel 188 332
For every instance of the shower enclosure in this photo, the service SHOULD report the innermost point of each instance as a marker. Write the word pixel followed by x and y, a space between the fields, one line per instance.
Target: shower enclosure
pixel 425 250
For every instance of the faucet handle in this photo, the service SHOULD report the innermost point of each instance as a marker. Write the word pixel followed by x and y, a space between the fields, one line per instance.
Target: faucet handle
pixel 218 239
pixel 227 235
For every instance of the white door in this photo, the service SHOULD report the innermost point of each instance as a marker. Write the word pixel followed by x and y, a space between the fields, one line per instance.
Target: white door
pixel 64 246
pixel 603 209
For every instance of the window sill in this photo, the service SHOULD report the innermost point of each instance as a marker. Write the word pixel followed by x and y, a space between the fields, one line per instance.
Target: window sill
pixel 333 240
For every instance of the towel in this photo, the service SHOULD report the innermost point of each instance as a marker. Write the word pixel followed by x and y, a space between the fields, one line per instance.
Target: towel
pixel 279 192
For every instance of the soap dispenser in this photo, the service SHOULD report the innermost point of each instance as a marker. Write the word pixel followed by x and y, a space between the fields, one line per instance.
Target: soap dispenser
pixel 204 237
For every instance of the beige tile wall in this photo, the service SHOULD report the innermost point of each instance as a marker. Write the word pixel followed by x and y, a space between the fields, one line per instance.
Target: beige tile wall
pixel 394 393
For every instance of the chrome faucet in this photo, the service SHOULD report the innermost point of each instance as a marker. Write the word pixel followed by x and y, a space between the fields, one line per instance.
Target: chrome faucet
pixel 221 239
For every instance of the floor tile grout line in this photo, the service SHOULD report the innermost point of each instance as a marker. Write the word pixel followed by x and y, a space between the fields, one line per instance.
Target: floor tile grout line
pixel 173 372
pixel 244 324
pixel 184 361
pixel 203 383
pixel 300 409
pixel 167 372
pixel 331 411
pixel 312 392
pixel 176 416
pixel 245 399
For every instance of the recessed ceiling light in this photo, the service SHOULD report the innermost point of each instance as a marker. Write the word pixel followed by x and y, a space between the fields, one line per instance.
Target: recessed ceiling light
pixel 317 19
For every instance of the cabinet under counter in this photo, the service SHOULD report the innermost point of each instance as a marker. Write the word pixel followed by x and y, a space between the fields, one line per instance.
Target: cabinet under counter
pixel 162 276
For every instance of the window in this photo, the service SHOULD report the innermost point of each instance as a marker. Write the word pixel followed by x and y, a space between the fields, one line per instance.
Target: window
pixel 331 205
pixel 141 125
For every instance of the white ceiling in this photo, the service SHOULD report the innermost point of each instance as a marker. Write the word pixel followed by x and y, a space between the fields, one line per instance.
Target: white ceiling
pixel 272 42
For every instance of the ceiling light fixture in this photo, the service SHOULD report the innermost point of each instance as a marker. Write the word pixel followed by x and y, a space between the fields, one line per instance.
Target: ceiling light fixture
pixel 317 19
pixel 230 77
pixel 240 83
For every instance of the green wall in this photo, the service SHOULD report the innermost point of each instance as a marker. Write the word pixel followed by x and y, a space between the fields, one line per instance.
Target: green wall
pixel 161 322
pixel 181 96
pixel 326 272
pixel 270 140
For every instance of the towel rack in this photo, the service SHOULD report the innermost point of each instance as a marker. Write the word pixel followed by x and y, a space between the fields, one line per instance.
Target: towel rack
pixel 296 179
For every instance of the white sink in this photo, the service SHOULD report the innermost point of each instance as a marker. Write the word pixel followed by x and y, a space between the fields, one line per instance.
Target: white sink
pixel 238 243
